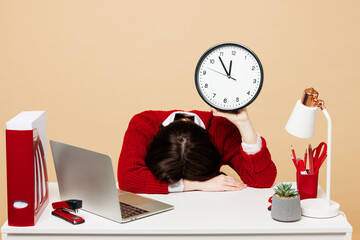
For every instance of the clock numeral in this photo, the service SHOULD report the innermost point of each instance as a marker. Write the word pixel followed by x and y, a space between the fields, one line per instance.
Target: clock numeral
pixel 212 61
pixel 214 95
pixel 248 93
pixel 204 72
pixel 206 85
pixel 221 54
pixel 254 81
pixel 233 53
pixel 253 68
pixel 245 58
pixel 225 100
pixel 237 99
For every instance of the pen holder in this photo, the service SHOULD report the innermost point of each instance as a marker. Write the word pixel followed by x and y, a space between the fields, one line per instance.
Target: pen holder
pixel 307 185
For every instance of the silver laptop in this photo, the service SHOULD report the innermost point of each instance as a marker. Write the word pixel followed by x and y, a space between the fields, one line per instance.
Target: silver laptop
pixel 88 176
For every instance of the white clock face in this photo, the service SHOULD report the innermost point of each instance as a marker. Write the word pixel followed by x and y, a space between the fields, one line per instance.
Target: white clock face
pixel 229 76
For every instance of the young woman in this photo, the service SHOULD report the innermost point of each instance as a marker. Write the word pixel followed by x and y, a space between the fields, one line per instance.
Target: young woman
pixel 171 151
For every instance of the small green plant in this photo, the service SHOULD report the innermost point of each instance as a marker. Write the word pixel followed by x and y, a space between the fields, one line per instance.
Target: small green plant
pixel 285 190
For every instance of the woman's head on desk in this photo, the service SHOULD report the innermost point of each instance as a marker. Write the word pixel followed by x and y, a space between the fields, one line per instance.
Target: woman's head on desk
pixel 183 150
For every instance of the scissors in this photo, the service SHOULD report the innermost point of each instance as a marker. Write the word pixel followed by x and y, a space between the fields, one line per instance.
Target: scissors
pixel 319 154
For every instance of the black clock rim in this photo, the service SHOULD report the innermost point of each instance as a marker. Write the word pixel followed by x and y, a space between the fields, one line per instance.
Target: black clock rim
pixel 207 53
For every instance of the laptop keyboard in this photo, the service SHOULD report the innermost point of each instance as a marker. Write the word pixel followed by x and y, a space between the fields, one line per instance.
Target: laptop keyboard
pixel 130 211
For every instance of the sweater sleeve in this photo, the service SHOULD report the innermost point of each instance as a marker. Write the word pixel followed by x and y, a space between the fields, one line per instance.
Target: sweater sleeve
pixel 255 170
pixel 133 174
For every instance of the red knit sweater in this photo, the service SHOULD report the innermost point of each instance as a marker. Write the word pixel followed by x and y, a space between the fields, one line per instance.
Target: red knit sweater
pixel 257 170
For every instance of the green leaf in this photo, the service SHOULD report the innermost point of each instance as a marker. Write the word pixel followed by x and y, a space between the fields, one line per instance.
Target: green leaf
pixel 285 190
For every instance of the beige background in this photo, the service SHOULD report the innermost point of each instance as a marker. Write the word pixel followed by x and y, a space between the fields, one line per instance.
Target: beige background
pixel 92 65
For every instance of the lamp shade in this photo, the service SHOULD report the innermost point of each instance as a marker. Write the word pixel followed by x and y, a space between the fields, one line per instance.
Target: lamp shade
pixel 302 121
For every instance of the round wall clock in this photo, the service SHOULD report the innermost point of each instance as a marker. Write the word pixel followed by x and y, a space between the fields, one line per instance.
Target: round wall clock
pixel 229 76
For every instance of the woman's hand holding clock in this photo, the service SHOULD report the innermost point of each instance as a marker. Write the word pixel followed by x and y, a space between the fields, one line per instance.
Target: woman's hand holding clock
pixel 229 99
pixel 242 121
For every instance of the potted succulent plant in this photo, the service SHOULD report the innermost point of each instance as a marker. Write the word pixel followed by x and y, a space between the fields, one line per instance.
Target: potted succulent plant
pixel 285 203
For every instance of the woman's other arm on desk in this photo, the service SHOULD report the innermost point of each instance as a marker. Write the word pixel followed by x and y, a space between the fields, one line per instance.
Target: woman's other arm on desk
pixel 219 183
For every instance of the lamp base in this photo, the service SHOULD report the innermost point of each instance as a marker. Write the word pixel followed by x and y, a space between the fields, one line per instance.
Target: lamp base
pixel 319 208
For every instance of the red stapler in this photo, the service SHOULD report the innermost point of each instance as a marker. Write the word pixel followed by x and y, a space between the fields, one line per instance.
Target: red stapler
pixel 63 209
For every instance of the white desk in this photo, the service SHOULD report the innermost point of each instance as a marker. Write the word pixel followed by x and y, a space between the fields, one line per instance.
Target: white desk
pixel 200 215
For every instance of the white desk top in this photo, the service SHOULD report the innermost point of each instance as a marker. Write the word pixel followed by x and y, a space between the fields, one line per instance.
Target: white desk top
pixel 242 212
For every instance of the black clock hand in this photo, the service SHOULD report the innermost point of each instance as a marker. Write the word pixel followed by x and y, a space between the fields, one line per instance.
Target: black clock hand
pixel 224 67
pixel 221 73
pixel 230 69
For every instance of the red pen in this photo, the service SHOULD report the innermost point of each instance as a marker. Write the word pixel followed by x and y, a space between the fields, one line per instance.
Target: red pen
pixel 293 152
pixel 294 161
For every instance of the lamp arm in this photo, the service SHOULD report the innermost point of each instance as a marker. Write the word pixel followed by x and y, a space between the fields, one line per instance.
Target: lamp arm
pixel 328 171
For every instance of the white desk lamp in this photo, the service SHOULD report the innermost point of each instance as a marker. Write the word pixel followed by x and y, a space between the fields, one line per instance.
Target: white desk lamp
pixel 302 124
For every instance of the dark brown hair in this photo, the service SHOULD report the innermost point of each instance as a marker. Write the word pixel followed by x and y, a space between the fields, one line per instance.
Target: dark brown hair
pixel 182 150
